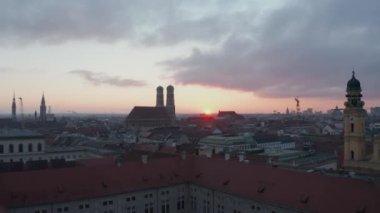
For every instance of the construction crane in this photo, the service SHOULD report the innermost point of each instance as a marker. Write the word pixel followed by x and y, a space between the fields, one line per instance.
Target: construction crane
pixel 298 107
pixel 21 108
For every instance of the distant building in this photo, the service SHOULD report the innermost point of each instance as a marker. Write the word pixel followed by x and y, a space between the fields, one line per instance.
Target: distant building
pixel 20 145
pixel 229 115
pixel 158 116
pixel 143 116
pixel 220 143
pixel 271 142
pixel 375 111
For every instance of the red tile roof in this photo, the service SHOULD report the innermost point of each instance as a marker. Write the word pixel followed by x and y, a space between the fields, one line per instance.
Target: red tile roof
pixel 303 191
pixel 287 188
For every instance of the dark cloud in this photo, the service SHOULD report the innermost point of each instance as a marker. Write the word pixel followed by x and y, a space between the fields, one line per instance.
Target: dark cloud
pixel 97 78
pixel 55 21
pixel 151 22
pixel 306 48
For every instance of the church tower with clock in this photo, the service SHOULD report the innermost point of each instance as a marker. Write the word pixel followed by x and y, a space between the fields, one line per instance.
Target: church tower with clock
pixel 354 122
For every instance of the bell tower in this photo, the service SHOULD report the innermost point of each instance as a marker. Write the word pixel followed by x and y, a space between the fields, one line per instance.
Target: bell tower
pixel 354 122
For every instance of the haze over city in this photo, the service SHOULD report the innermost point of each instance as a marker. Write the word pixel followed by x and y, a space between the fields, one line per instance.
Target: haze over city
pixel 250 56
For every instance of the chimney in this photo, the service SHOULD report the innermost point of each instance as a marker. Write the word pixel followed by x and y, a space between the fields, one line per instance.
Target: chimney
pixel 209 154
pixel 227 156
pixel 241 157
pixel 183 155
pixel 144 159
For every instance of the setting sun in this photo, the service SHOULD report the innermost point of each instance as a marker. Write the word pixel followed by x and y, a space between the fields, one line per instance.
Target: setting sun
pixel 207 111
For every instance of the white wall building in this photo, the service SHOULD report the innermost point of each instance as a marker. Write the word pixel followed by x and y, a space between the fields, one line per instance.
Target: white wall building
pixel 24 145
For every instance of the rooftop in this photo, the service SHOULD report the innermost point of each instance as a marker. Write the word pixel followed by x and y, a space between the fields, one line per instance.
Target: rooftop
pixel 148 113
pixel 6 133
pixel 253 181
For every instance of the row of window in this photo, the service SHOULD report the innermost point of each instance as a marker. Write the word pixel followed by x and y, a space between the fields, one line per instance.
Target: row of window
pixel 11 148
pixel 165 206
pixel 40 158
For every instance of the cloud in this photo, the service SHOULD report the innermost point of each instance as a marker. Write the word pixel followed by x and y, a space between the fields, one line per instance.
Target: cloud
pixel 304 48
pixel 97 79
pixel 274 48
pixel 5 69
pixel 151 22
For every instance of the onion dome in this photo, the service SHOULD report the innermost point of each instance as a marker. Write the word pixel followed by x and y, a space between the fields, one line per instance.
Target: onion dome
pixel 353 84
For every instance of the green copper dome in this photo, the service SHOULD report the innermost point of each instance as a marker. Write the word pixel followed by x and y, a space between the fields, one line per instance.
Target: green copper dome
pixel 353 84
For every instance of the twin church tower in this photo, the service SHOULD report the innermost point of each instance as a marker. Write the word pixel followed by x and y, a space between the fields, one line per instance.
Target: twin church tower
pixel 42 116
pixel 170 107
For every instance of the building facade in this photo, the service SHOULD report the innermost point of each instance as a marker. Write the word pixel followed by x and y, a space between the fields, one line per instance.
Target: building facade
pixel 24 146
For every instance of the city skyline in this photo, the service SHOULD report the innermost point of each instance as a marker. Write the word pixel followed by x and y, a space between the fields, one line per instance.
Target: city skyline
pixel 107 57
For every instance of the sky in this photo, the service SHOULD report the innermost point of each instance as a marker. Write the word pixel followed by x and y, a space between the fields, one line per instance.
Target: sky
pixel 251 56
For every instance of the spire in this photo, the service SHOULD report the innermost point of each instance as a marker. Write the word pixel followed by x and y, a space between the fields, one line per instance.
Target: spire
pixel 43 108
pixel 43 99
pixel 14 106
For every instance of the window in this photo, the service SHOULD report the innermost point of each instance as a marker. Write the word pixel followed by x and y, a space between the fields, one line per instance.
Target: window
pixel 193 202
pixel 107 202
pixel 20 147
pixel 39 147
pixel 148 195
pixel 206 206
pixel 352 128
pixel 30 147
pixel 84 206
pixel 131 209
pixel 132 198
pixel 220 209
pixel 165 207
pixel 148 208
pixel 165 192
pixel 10 148
pixel 64 209
pixel 181 203
pixel 1 149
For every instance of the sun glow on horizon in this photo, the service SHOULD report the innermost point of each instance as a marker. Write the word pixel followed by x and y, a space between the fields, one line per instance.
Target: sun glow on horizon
pixel 208 111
